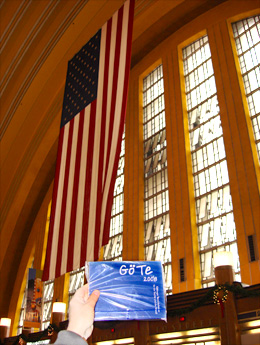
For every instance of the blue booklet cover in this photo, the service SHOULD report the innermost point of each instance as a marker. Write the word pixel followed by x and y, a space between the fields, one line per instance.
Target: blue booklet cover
pixel 129 290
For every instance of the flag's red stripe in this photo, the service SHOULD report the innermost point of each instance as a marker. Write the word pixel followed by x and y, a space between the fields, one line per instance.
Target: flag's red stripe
pixel 46 271
pixel 106 225
pixel 71 248
pixel 121 129
pixel 115 81
pixel 104 164
pixel 64 200
pixel 85 228
pixel 102 141
pixel 112 117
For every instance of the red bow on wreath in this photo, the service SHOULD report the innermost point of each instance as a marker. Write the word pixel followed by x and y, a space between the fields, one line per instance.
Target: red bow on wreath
pixel 220 297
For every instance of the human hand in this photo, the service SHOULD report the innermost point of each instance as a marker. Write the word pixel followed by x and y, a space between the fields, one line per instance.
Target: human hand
pixel 81 311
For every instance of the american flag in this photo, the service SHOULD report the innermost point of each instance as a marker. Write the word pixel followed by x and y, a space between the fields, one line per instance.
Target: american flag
pixel 91 131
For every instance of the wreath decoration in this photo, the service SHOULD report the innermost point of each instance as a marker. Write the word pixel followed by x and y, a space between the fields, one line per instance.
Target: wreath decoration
pixel 220 294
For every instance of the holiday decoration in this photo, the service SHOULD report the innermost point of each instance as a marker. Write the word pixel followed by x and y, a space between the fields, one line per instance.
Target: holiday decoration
pixel 220 296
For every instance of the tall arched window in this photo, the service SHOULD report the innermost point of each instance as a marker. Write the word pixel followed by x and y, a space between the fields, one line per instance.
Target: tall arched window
pixel 48 286
pixel 113 250
pixel 214 209
pixel 76 281
pixel 156 199
pixel 247 37
pixel 22 313
pixel 48 289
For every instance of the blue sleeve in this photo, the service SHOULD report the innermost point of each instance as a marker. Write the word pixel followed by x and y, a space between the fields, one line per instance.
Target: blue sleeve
pixel 69 338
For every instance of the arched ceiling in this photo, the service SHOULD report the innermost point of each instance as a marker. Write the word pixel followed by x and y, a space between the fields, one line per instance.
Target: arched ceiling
pixel 38 38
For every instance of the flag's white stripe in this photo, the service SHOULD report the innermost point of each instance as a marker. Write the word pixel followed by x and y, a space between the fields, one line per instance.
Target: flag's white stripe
pixel 118 110
pixel 69 205
pixel 81 190
pixel 110 85
pixel 95 165
pixel 93 199
pixel 56 226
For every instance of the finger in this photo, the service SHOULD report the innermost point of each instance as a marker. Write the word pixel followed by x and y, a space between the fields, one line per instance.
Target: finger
pixel 82 292
pixel 85 289
pixel 93 298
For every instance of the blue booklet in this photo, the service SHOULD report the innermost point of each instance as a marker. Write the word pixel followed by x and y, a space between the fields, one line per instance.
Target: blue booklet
pixel 129 290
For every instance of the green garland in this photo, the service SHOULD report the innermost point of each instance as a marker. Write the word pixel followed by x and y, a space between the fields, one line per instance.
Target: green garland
pixel 238 290
pixel 23 339
pixel 211 294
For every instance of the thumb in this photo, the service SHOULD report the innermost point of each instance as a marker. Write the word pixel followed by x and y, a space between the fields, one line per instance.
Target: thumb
pixel 93 298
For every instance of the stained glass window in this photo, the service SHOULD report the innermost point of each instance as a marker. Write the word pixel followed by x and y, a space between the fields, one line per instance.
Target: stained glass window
pixel 156 198
pixel 247 39
pixel 76 281
pixel 22 311
pixel 48 289
pixel 113 250
pixel 214 209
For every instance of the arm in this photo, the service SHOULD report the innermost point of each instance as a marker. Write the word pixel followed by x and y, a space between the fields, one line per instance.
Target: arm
pixel 68 337
pixel 81 318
